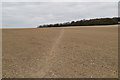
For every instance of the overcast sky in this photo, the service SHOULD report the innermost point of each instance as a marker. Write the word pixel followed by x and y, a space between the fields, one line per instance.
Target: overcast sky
pixel 59 0
pixel 32 14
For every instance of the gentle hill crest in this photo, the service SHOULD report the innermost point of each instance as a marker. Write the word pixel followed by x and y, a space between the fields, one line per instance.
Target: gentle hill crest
pixel 90 22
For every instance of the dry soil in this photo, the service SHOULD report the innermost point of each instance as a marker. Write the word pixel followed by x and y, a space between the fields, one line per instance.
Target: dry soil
pixel 68 52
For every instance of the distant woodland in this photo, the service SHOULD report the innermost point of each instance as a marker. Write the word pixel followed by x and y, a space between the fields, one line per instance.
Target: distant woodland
pixel 90 22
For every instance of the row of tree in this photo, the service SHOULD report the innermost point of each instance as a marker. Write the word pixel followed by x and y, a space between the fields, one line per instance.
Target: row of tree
pixel 91 22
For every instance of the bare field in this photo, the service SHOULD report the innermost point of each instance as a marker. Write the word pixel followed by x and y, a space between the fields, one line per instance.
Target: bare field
pixel 71 52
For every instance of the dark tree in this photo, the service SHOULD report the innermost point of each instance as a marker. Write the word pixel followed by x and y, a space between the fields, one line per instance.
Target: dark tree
pixel 91 22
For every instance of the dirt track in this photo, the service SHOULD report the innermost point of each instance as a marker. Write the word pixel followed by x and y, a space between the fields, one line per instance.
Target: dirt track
pixel 86 52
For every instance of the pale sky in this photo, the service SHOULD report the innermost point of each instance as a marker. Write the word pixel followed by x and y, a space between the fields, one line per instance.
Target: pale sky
pixel 60 0
pixel 31 14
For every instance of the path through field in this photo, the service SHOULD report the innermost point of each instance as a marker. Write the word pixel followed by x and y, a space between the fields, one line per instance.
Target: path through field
pixel 75 52
pixel 50 57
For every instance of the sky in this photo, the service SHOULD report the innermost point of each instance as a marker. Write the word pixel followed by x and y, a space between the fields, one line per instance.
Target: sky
pixel 32 14
pixel 59 0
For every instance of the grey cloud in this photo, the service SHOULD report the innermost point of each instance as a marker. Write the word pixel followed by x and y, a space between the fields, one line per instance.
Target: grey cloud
pixel 60 0
pixel 31 14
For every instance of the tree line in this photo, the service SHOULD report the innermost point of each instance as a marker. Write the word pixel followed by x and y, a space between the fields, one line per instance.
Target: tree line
pixel 91 22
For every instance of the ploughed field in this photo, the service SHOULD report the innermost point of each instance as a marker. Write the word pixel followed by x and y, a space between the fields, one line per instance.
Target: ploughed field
pixel 68 52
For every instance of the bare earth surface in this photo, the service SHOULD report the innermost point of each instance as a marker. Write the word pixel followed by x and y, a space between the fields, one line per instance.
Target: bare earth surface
pixel 71 52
